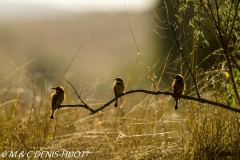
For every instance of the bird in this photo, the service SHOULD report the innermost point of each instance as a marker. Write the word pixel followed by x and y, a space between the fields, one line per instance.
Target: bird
pixel 179 87
pixel 118 88
pixel 57 98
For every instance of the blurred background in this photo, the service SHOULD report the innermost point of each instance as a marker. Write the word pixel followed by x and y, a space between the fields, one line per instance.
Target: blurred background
pixel 39 38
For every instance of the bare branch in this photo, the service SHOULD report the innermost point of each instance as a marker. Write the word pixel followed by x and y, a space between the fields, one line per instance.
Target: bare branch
pixel 78 105
pixel 155 93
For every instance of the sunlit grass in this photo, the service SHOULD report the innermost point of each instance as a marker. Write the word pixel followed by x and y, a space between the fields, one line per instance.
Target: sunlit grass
pixel 141 127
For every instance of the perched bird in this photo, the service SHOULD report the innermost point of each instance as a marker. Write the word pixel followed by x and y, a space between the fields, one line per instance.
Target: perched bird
pixel 178 86
pixel 119 88
pixel 57 98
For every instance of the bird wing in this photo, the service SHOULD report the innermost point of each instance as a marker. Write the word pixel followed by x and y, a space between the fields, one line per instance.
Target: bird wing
pixel 174 88
pixel 115 90
pixel 54 100
pixel 184 87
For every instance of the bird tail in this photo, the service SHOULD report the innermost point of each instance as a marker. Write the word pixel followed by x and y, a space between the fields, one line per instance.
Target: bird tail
pixel 176 100
pixel 116 103
pixel 51 117
pixel 176 105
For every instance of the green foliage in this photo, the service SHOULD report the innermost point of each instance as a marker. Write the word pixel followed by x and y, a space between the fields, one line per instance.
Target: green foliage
pixel 211 28
pixel 229 94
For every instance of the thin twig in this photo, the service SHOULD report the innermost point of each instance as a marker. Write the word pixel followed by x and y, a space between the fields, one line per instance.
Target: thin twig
pixel 85 40
pixel 84 104
pixel 130 26
pixel 170 23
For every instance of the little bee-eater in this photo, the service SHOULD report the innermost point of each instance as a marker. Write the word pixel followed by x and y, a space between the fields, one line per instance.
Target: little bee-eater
pixel 119 88
pixel 178 86
pixel 57 98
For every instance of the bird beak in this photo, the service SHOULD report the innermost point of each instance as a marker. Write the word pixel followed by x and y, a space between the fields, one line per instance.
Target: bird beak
pixel 53 88
pixel 173 77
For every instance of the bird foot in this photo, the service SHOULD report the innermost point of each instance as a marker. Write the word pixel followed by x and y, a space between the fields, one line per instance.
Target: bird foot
pixel 176 107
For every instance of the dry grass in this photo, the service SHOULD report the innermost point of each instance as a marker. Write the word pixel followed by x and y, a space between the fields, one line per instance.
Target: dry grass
pixel 142 127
